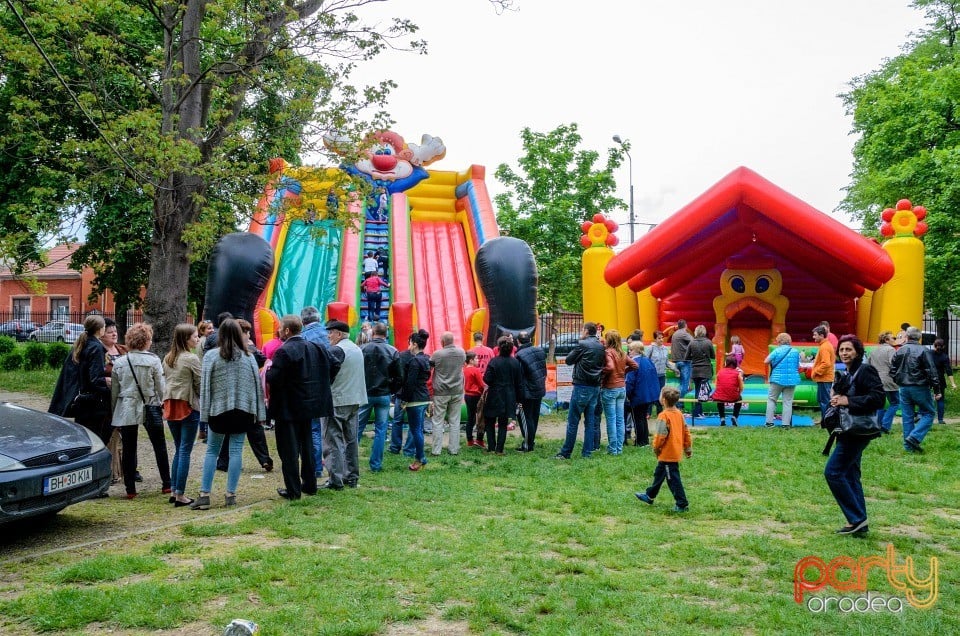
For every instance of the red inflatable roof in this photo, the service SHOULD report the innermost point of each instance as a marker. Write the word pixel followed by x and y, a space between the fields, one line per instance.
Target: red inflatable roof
pixel 743 209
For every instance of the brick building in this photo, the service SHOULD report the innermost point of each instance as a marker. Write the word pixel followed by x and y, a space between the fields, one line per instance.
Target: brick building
pixel 65 292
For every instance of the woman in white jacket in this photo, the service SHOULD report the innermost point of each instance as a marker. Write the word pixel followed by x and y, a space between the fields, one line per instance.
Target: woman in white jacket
pixel 129 394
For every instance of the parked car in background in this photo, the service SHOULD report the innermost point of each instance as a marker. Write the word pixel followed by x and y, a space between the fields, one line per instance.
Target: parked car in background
pixel 19 329
pixel 565 344
pixel 57 331
pixel 47 463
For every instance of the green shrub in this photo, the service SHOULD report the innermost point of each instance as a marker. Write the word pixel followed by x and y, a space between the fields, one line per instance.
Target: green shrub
pixel 35 356
pixel 57 353
pixel 7 344
pixel 12 361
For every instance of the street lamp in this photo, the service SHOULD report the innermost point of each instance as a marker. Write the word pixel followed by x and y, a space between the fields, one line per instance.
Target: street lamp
pixel 625 145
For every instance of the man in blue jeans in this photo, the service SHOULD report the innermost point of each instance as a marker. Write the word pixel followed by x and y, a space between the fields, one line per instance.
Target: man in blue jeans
pixel 587 358
pixel 914 369
pixel 679 343
pixel 380 361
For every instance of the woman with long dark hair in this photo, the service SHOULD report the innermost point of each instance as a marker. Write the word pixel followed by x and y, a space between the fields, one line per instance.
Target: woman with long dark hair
pixel 414 395
pixel 231 401
pixel 83 388
pixel 504 381
pixel 181 404
pixel 860 390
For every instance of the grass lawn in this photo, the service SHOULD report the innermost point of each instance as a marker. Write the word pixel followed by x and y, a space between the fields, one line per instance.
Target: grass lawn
pixel 521 544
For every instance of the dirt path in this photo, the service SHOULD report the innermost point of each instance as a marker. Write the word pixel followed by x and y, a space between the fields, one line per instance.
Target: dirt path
pixel 93 523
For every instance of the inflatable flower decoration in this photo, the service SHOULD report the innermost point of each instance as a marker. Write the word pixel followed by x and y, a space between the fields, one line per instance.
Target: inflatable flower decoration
pixel 599 232
pixel 905 220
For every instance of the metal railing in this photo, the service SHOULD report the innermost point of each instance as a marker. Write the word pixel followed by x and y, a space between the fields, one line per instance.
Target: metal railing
pixel 40 318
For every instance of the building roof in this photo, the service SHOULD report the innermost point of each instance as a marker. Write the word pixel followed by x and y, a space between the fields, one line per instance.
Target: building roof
pixel 58 259
pixel 741 210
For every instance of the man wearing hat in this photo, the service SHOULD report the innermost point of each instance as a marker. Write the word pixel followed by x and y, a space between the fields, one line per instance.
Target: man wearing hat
pixel 349 389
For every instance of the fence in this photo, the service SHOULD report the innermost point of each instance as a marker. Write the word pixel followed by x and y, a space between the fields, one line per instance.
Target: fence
pixel 952 334
pixel 39 318
pixel 568 326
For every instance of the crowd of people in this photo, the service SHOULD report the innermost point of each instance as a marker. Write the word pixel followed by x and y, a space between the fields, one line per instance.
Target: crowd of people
pixel 317 389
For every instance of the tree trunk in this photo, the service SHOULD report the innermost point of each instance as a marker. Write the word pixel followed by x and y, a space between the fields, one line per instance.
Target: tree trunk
pixel 166 302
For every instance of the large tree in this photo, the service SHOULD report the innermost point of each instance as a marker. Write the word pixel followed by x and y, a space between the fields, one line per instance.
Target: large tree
pixel 907 116
pixel 112 104
pixel 559 185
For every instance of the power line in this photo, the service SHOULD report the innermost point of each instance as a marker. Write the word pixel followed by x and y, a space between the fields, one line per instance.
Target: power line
pixel 116 151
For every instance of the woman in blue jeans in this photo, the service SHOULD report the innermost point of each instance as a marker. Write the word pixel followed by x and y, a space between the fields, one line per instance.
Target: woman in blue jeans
pixel 414 394
pixel 861 391
pixel 181 404
pixel 231 401
pixel 612 391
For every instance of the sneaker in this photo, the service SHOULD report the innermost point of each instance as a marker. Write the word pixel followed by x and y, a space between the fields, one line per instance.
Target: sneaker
pixel 723 422
pixel 415 466
pixel 642 496
pixel 769 424
pixel 560 456
pixel 733 421
pixel 912 445
pixel 855 528
pixel 786 427
pixel 680 510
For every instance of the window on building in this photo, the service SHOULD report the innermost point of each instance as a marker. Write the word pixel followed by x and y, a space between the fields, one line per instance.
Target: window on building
pixel 21 309
pixel 59 308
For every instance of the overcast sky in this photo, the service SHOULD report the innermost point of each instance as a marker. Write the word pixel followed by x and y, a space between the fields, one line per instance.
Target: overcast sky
pixel 699 87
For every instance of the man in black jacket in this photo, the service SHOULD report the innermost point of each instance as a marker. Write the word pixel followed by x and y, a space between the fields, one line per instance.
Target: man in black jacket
pixel 587 359
pixel 533 367
pixel 381 364
pixel 299 380
pixel 915 371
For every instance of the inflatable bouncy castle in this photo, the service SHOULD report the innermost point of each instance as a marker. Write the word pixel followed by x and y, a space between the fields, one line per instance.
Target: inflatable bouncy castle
pixel 432 233
pixel 747 258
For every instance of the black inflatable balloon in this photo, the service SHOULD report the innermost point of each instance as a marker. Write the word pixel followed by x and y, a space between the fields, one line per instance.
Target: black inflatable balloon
pixel 507 273
pixel 239 271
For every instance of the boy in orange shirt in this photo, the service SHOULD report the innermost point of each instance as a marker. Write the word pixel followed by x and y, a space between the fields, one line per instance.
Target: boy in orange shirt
pixel 670 443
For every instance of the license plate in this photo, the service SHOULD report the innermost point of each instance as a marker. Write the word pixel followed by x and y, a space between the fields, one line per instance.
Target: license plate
pixel 66 481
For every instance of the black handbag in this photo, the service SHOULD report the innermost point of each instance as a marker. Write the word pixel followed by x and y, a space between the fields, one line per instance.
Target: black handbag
pixel 152 413
pixel 851 424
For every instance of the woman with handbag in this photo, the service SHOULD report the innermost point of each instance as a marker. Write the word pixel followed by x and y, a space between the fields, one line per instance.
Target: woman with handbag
pixel 136 391
pixel 784 378
pixel 700 355
pixel 860 392
pixel 231 401
pixel 181 404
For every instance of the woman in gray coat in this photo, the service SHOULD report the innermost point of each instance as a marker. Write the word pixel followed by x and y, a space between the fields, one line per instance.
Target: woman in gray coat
pixel 231 401
pixel 137 379
pixel 700 355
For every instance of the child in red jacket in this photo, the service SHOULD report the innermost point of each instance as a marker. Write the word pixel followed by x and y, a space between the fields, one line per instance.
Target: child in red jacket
pixel 473 387
pixel 671 442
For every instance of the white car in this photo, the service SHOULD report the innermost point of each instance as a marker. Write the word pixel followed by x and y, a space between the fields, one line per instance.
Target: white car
pixel 57 331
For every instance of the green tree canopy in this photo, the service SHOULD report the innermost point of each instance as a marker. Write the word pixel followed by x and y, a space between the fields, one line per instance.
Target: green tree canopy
pixel 907 115
pixel 558 186
pixel 149 118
